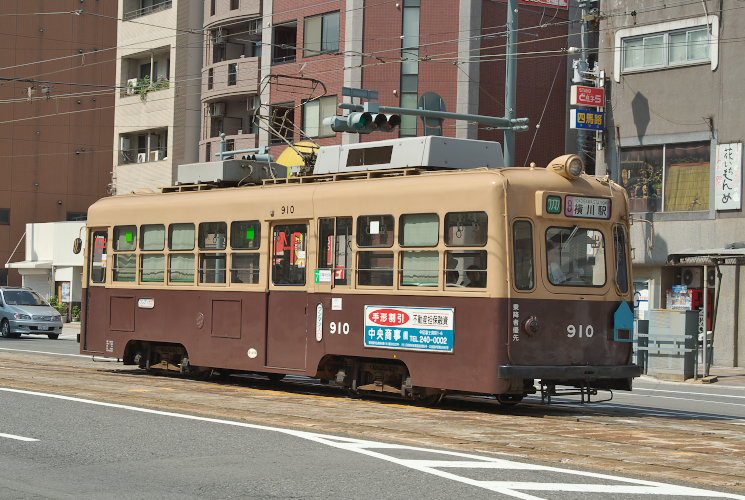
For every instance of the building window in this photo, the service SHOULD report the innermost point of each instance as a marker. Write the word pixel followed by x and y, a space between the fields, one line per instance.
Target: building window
pixel 660 50
pixel 313 114
pixel 235 4
pixel 668 177
pixel 321 34
pixel 4 216
pixel 232 74
pixel 284 44
pixel 210 78
pixel 77 216
pixel 212 7
pixel 410 64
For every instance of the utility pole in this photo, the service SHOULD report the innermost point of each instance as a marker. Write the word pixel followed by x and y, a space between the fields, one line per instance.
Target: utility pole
pixel 510 86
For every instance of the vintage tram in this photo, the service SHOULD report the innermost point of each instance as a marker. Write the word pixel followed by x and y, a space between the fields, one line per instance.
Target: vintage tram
pixel 398 267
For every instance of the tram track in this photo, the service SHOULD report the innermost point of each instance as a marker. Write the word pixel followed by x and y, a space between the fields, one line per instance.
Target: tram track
pixel 607 438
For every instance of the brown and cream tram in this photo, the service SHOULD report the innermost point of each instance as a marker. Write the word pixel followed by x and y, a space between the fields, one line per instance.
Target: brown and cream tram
pixel 406 280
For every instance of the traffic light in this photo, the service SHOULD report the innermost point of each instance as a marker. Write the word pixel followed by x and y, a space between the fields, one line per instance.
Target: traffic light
pixel 362 122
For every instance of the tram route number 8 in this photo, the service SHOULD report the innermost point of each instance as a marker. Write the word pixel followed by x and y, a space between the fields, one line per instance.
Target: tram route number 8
pixel 338 327
pixel 580 331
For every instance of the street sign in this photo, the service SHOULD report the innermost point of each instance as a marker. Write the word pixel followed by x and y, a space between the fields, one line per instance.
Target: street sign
pixel 587 96
pixel 586 119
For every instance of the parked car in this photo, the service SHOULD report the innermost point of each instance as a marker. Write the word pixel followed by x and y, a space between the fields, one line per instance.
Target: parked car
pixel 24 312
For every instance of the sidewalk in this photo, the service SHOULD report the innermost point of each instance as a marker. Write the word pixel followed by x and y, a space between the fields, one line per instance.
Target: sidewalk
pixel 728 376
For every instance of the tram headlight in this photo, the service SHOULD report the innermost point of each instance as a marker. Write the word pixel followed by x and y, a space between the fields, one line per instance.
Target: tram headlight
pixel 569 166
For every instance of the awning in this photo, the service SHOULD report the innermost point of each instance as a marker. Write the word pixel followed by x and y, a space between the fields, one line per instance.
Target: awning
pixel 708 257
pixel 30 264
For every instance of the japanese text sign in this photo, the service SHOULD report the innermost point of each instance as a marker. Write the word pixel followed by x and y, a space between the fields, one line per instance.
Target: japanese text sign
pixel 728 176
pixel 410 328
pixel 587 96
pixel 590 208
pixel 586 119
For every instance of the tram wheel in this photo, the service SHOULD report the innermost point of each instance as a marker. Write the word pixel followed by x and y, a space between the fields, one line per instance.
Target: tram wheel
pixel 509 399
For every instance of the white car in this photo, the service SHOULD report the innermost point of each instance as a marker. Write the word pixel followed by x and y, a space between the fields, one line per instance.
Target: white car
pixel 24 312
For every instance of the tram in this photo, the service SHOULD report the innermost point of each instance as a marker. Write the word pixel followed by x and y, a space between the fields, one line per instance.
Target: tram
pixel 403 267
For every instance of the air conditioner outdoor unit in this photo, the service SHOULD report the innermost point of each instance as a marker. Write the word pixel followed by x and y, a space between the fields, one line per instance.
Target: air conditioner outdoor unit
pixel 156 155
pixel 692 277
pixel 141 157
pixel 131 86
pixel 217 109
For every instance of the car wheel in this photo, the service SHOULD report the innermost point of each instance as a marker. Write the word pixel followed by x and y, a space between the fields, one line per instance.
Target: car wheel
pixel 53 336
pixel 5 329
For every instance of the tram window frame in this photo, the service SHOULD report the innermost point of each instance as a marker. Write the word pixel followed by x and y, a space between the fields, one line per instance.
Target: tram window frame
pixel 150 240
pixel 386 226
pixel 250 273
pixel 175 244
pixel 249 227
pixel 376 277
pixel 621 258
pixel 408 238
pixel 290 272
pixel 146 271
pixel 172 270
pixel 335 240
pixel 215 274
pixel 122 271
pixel 218 230
pixel 470 275
pixel 98 257
pixel 523 269
pixel 129 243
pixel 571 278
pixel 408 268
pixel 482 233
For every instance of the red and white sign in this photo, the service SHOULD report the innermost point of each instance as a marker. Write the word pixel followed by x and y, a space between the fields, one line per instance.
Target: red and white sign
pixel 587 96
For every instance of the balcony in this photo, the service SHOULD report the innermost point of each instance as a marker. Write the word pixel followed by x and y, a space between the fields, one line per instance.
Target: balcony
pixel 133 10
pixel 143 147
pixel 239 76
pixel 219 11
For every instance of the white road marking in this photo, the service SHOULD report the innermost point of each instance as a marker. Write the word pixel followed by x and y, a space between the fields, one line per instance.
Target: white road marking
pixel 643 389
pixel 18 438
pixel 433 467
pixel 60 354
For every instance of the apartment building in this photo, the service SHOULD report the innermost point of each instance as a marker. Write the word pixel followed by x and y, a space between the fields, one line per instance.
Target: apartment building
pixel 158 73
pixel 674 138
pixel 274 70
pixel 57 66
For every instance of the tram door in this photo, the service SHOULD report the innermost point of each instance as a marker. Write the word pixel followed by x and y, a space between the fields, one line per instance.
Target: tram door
pixel 287 301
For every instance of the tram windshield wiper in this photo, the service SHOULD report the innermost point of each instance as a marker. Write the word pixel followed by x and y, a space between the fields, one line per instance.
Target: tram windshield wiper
pixel 574 231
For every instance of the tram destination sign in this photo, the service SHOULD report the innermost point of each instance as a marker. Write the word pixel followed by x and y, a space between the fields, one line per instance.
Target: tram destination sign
pixel 410 328
pixel 589 208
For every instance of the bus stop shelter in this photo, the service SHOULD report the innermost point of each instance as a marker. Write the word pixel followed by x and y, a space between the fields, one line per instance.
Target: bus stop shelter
pixel 732 255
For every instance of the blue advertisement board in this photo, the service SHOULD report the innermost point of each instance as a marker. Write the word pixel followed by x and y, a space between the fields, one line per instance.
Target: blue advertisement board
pixel 410 328
pixel 586 119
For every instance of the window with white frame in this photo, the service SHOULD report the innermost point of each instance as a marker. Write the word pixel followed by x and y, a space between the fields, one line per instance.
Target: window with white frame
pixel 321 34
pixel 661 50
pixel 313 114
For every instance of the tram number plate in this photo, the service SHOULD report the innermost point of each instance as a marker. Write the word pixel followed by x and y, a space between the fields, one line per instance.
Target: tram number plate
pixel 580 331
pixel 590 208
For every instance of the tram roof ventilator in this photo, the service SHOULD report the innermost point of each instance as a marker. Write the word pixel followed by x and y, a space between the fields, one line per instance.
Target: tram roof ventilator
pixel 431 152
pixel 228 172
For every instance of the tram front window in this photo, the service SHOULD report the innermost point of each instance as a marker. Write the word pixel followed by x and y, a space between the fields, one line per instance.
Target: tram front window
pixel 575 256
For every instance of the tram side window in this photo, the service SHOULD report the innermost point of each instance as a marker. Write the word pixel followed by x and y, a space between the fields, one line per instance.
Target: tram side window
pixel 622 273
pixel 244 267
pixel 290 258
pixel 466 229
pixel 181 236
pixel 375 268
pixel 419 230
pixel 466 269
pixel 522 234
pixel 152 266
pixel 152 237
pixel 375 231
pixel 181 268
pixel 212 265
pixel 125 264
pixel 575 256
pixel 420 268
pixel 245 235
pixel 98 257
pixel 335 247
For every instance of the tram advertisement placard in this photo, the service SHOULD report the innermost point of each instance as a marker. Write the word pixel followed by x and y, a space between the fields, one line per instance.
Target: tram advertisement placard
pixel 410 328
pixel 591 208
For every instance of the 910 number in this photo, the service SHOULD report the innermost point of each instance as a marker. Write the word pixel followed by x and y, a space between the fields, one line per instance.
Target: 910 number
pixel 338 327
pixel 580 330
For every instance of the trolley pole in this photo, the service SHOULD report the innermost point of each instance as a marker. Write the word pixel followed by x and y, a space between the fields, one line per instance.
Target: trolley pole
pixel 510 85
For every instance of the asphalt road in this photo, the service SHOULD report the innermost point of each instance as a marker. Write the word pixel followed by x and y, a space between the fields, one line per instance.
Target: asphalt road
pixel 55 446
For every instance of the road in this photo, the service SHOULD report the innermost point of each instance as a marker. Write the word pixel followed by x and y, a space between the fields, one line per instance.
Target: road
pixel 117 451
pixel 662 433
